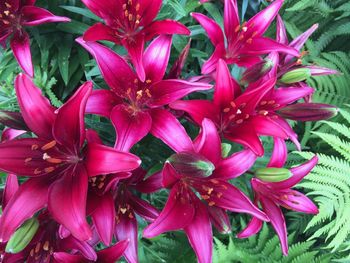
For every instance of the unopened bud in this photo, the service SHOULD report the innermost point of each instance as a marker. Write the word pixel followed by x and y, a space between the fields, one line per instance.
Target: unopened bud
pixel 257 71
pixel 12 120
pixel 308 112
pixel 272 174
pixel 191 164
pixel 295 75
pixel 22 237
pixel 225 149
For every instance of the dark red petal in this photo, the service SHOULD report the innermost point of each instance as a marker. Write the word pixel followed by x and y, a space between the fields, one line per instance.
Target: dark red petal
pixel 30 197
pixel 36 110
pixel 113 253
pixel 101 159
pixel 101 102
pixel 252 228
pixel 178 213
pixel 67 202
pixel 219 219
pixel 33 16
pixel 211 27
pixel 9 134
pixel 100 31
pixel 135 51
pixel 20 45
pixel 104 218
pixel 126 229
pixel 152 184
pixel 199 233
pixel 156 58
pixel 130 128
pixel 11 186
pixel 63 257
pixel 231 20
pixel 170 176
pixel 143 208
pixel 168 129
pixel 166 26
pixel 279 154
pixel 69 127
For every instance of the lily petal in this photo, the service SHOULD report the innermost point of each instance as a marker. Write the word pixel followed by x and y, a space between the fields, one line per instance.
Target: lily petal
pixel 63 257
pixel 18 209
pixel 33 16
pixel 9 134
pixel 199 233
pixel 298 202
pixel 113 253
pixel 130 129
pixel 143 208
pixel 285 96
pixel 170 176
pixel 152 184
pixel 210 65
pixel 231 19
pixel 135 51
pixel 156 58
pixel 211 27
pixel 126 229
pixel 281 34
pixel 104 218
pixel 67 202
pixel 168 129
pixel 279 154
pixel 101 102
pixel 235 165
pixel 166 26
pixel 178 213
pixel 20 45
pixel 69 128
pixel 252 228
pixel 11 186
pixel 100 31
pixel 35 108
pixel 219 219
pixel 101 160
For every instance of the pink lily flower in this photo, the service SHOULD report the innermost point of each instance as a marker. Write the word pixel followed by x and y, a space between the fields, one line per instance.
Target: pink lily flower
pixel 131 103
pixel 273 195
pixel 130 23
pixel 16 14
pixel 241 118
pixel 241 44
pixel 57 162
pixel 198 166
pixel 113 204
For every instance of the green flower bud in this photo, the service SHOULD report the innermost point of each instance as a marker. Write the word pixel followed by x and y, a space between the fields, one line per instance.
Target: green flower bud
pixel 295 75
pixel 225 149
pixel 191 164
pixel 22 237
pixel 273 174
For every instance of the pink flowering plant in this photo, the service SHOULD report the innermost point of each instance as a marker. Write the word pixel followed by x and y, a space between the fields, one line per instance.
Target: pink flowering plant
pixel 172 131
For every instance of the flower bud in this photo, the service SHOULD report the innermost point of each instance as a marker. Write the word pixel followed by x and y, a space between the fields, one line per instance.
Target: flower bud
pixel 308 112
pixel 225 149
pixel 295 75
pixel 22 237
pixel 12 120
pixel 272 174
pixel 257 71
pixel 191 164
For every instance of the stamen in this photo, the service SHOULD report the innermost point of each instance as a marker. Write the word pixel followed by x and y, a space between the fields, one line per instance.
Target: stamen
pixel 210 190
pixel 27 160
pixel 233 104
pixel 249 40
pixel 239 121
pixel 148 81
pixel 237 28
pixel 124 6
pixel 37 247
pixel 148 93
pixel 7 12
pixel 49 169
pixel 263 112
pixel 205 197
pixel 131 215
pixel 231 117
pixel 35 147
pixel 54 160
pixel 49 145
pixel 37 171
pixel 264 102
pixel 137 7
pixel 226 110
pixel 100 185
pixel 130 17
pixel 219 195
pixel 123 210
pixel 46 246
pixel 211 203
pixel 271 102
pixel 8 5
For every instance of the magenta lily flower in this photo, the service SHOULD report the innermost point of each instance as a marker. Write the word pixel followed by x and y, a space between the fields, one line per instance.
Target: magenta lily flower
pixel 273 195
pixel 131 103
pixel 130 23
pixel 113 204
pixel 241 118
pixel 241 44
pixel 16 14
pixel 57 162
pixel 198 167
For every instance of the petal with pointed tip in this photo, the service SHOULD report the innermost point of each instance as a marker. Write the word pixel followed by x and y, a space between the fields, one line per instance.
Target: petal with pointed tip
pixel 199 233
pixel 168 129
pixel 69 128
pixel 19 209
pixel 104 218
pixel 197 109
pixel 219 219
pixel 166 26
pixel 135 51
pixel 100 31
pixel 9 134
pixel 321 71
pixel 281 34
pixel 225 85
pixel 101 102
pixel 20 45
pixel 267 126
pixel 279 154
pixel 235 165
pixel 285 96
pixel 231 19
pixel 33 16
pixel 170 176
pixel 113 253
pixel 130 128
pixel 71 243
pixel 156 58
pixel 126 229
pixel 101 159
pixel 210 65
pixel 151 184
pixel 178 213
pixel 170 90
pixel 176 69
pixel 67 202
pixel 299 41
pixel 63 257
pixel 114 69
pixel 11 186
pixel 211 27
pixel 298 202
pixel 103 8
pixel 277 221
pixel 143 208
pixel 35 108
pixel 299 172
pixel 252 228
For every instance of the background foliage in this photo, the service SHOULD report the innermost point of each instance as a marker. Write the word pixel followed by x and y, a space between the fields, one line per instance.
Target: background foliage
pixel 61 65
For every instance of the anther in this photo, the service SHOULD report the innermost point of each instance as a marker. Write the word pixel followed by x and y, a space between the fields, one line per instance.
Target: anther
pixel 231 117
pixel 130 17
pixel 233 104
pixel 270 102
pixel 219 195
pixel 226 110
pixel 8 5
pixel 37 171
pixel 237 28
pixel 264 102
pixel 263 112
pixel 124 6
pixel 49 145
pixel 211 203
pixel 137 7
pixel 35 147
pixel 100 185
pixel 239 121
pixel 131 215
pixel 205 197
pixel 54 160
pixel 27 160
pixel 148 81
pixel 46 246
pixel 210 190
pixel 148 93
pixel 32 252
pixel 123 210
pixel 7 12
pixel 214 181
pixel 49 169
pixel 126 13
pixel 247 116
pixel 37 247
pixel 249 40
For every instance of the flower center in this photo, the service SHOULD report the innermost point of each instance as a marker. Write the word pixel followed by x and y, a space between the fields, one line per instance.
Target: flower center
pixel 138 96
pixel 8 16
pixel 235 114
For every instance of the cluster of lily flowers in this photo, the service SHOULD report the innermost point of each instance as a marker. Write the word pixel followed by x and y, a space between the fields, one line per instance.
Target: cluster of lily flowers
pixel 80 193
